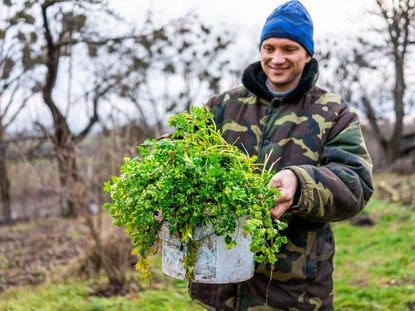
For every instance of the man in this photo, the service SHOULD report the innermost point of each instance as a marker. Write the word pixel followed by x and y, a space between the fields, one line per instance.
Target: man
pixel 324 170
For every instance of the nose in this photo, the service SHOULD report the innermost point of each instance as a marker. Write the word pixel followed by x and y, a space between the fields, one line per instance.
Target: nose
pixel 277 57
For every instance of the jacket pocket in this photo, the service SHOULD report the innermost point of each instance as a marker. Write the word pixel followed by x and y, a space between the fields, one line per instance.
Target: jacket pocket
pixel 319 253
pixel 325 248
pixel 311 255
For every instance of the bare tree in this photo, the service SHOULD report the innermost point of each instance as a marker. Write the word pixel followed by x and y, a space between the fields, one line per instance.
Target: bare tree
pixel 170 74
pixel 400 19
pixel 58 44
pixel 122 65
pixel 16 62
pixel 70 32
pixel 372 74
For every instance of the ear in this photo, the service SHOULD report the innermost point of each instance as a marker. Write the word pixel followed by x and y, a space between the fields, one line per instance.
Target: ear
pixel 308 57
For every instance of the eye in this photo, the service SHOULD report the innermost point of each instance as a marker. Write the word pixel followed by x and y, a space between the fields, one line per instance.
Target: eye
pixel 291 49
pixel 267 49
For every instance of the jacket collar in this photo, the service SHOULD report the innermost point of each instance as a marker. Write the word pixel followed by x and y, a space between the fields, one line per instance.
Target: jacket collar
pixel 254 79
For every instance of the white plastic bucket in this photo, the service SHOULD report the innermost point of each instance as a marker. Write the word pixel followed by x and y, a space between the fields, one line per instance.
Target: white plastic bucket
pixel 215 264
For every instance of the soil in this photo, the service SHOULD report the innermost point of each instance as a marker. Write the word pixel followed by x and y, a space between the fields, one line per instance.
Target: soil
pixel 32 253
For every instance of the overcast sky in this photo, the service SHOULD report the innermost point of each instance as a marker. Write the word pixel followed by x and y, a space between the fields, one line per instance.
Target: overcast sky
pixel 339 18
pixel 244 19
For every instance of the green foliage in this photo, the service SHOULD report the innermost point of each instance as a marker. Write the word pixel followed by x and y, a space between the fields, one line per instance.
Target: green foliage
pixel 194 178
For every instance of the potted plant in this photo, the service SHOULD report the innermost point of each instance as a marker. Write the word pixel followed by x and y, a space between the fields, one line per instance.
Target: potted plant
pixel 194 178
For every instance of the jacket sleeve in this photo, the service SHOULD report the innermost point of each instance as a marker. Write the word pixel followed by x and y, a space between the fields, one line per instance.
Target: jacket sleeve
pixel 341 185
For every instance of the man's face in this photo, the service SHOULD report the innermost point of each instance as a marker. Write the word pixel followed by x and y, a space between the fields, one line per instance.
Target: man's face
pixel 283 61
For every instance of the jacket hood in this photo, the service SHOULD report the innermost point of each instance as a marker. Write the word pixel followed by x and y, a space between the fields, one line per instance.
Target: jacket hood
pixel 254 80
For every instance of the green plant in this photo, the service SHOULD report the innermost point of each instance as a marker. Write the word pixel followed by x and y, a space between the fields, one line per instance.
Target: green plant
pixel 194 178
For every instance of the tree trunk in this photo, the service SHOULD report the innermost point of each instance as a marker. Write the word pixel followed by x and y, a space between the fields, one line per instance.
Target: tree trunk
pixel 394 144
pixel 5 185
pixel 72 192
pixel 4 180
pixel 62 138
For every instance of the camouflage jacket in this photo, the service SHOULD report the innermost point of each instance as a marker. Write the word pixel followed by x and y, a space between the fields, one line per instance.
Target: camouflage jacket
pixel 316 135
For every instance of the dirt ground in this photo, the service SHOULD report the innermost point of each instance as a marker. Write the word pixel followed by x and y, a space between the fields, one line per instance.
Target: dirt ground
pixel 396 188
pixel 32 253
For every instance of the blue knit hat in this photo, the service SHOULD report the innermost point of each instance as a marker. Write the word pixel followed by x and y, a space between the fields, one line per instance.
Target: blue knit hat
pixel 291 21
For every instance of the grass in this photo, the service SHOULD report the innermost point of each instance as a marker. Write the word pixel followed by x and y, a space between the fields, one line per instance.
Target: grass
pixel 375 266
pixel 76 295
pixel 374 270
pixel 164 294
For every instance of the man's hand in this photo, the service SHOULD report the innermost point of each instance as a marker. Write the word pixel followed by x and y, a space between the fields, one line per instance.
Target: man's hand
pixel 286 182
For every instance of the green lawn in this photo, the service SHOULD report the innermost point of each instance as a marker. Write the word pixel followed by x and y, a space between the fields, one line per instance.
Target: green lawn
pixel 73 295
pixel 374 270
pixel 375 266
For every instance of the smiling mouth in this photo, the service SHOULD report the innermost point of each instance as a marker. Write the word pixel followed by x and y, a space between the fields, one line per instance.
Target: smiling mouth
pixel 279 69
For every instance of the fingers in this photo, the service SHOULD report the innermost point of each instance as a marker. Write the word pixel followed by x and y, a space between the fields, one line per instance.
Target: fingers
pixel 281 206
pixel 277 211
pixel 286 197
pixel 275 182
pixel 286 182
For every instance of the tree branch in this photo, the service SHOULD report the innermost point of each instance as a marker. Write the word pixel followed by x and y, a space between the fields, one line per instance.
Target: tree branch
pixel 94 118
pixel 53 55
pixel 45 131
pixel 48 34
pixel 140 109
pixel 373 121
pixel 72 41
pixel 406 28
pixel 11 100
pixel 17 112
